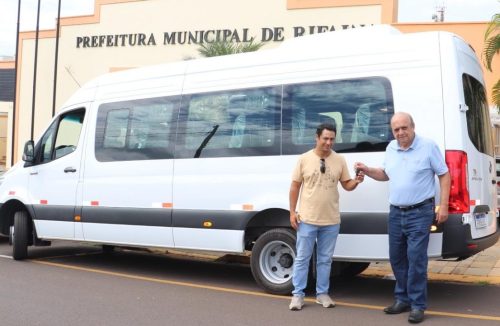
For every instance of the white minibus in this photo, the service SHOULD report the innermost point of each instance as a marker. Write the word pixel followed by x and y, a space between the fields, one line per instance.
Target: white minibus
pixel 198 154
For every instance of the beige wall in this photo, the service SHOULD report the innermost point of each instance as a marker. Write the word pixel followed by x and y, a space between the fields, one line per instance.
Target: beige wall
pixel 3 140
pixel 44 87
pixel 5 133
pixel 389 8
pixel 5 124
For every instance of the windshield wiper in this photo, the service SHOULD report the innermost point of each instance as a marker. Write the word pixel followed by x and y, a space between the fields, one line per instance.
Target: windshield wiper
pixel 205 141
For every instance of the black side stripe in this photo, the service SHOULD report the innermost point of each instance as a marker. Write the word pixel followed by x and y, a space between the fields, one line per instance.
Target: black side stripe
pixel 351 223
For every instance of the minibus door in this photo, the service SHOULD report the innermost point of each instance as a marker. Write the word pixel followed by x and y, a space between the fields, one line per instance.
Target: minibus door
pixel 481 161
pixel 127 186
pixel 54 177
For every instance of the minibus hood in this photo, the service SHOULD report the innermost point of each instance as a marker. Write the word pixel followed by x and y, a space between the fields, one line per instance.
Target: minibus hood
pixel 11 171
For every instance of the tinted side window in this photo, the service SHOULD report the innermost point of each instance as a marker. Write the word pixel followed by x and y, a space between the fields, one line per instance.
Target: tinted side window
pixel 62 137
pixel 136 130
pixel 361 109
pixel 230 123
pixel 116 128
pixel 478 119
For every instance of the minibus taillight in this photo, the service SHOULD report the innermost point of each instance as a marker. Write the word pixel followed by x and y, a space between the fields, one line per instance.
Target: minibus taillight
pixel 459 194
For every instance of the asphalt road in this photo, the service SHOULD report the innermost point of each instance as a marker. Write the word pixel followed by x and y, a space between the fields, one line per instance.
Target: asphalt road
pixel 74 284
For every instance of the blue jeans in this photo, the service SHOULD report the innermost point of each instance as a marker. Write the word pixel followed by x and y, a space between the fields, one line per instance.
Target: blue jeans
pixel 325 237
pixel 408 241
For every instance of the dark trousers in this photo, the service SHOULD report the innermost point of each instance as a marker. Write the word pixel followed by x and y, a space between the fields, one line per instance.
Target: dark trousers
pixel 408 242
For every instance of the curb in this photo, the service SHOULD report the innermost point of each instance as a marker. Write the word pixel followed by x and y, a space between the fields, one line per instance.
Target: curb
pixel 435 277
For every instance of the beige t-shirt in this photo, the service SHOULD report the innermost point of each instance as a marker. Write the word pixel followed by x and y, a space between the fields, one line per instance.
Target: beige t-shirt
pixel 319 196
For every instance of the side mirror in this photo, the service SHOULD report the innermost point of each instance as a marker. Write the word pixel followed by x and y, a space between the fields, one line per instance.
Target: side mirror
pixel 29 152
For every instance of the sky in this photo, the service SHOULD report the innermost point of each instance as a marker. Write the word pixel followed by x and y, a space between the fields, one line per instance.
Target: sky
pixel 409 11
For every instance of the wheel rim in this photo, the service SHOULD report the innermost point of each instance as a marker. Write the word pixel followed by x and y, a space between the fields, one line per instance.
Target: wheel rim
pixel 276 262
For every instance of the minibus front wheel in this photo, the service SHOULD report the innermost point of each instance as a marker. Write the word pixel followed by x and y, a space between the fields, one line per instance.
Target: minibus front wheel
pixel 20 235
pixel 272 260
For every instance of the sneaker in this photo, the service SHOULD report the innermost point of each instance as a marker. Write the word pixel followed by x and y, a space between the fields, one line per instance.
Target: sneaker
pixel 325 301
pixel 297 303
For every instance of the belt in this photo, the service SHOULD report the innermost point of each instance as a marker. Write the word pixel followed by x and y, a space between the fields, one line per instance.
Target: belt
pixel 409 207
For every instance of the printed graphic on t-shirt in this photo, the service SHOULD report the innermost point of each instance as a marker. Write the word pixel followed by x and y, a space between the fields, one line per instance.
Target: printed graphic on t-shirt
pixel 323 180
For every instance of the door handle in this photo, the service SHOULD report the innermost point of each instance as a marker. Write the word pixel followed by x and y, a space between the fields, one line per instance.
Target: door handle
pixel 69 169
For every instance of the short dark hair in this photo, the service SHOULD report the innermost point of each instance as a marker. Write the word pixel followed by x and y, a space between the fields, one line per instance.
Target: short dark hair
pixel 327 126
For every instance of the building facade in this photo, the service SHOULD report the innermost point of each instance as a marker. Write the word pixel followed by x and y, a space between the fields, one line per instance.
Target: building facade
pixel 7 89
pixel 116 37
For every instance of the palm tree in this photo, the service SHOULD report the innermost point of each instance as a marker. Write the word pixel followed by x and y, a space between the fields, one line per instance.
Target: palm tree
pixel 219 48
pixel 491 48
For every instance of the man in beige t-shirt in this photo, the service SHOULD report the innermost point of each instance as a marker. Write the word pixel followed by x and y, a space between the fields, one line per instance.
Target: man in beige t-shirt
pixel 317 174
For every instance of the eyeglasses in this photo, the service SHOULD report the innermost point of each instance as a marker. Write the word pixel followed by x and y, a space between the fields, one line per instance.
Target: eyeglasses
pixel 322 167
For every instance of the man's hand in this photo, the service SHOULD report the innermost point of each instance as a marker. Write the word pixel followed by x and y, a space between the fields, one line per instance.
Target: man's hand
pixel 360 167
pixel 374 173
pixel 441 214
pixel 360 176
pixel 294 220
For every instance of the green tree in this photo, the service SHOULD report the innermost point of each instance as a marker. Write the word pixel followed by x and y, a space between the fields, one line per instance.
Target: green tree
pixel 219 48
pixel 491 48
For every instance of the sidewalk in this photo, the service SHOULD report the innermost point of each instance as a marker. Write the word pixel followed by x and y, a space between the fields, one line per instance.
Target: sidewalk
pixel 483 268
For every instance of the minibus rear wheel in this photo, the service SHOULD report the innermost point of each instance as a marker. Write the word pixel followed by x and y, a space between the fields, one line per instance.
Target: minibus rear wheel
pixel 20 236
pixel 353 269
pixel 108 249
pixel 347 270
pixel 272 260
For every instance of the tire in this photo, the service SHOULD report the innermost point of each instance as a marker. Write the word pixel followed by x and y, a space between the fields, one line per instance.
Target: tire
pixel 348 269
pixel 20 238
pixel 108 249
pixel 11 234
pixel 272 260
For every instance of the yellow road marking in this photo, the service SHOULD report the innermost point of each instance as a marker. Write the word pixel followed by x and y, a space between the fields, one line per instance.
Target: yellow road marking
pixel 253 293
pixel 157 280
pixel 70 255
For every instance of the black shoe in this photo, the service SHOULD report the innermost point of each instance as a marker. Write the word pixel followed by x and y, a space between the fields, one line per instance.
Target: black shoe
pixel 397 308
pixel 416 316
